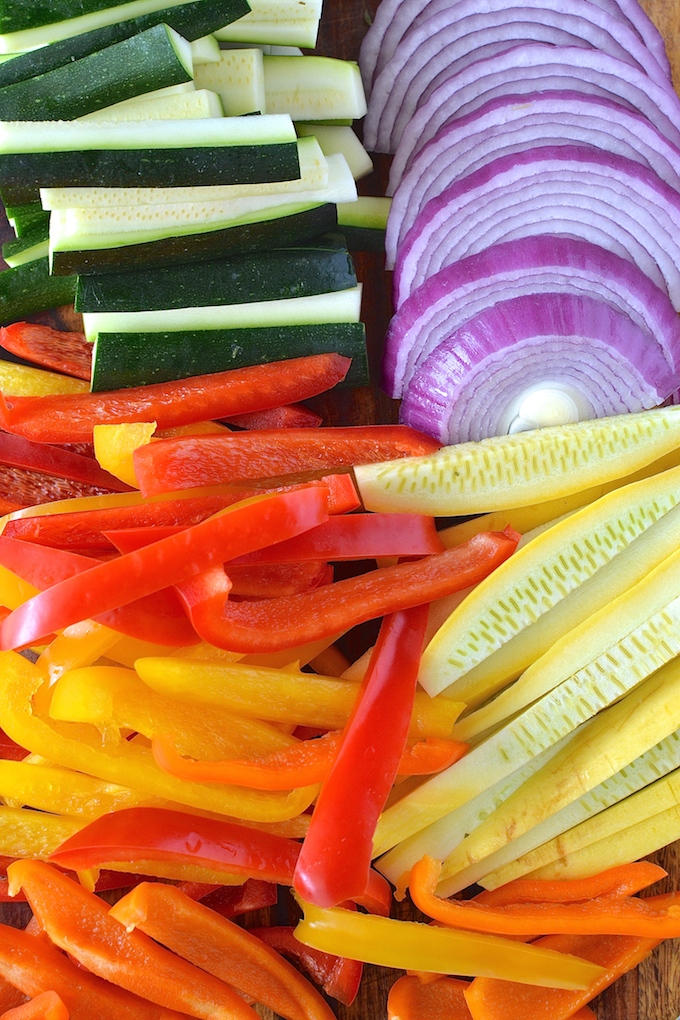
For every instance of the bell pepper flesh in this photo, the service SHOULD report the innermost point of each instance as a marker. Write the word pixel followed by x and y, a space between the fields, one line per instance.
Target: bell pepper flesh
pixel 410 998
pixel 339 976
pixel 273 624
pixel 107 586
pixel 70 418
pixel 623 880
pixel 222 948
pixel 79 922
pixel 270 453
pixel 15 451
pixel 57 349
pixel 45 1006
pixel 288 416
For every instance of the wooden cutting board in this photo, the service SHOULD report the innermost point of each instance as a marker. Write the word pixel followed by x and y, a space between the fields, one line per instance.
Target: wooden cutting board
pixel 653 991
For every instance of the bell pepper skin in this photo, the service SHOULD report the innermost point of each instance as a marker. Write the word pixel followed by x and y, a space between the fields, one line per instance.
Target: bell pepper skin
pixel 15 451
pixel 270 453
pixel 56 349
pixel 45 1006
pixel 602 915
pixel 233 900
pixel 623 880
pixel 288 416
pixel 221 948
pixel 34 966
pixel 274 624
pixel 339 976
pixel 335 859
pixel 79 922
pixel 106 586
pixel 70 418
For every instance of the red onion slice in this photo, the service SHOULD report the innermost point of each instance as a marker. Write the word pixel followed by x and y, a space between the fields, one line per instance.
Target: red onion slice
pixel 445 44
pixel 491 376
pixel 394 18
pixel 537 68
pixel 510 124
pixel 571 190
pixel 530 265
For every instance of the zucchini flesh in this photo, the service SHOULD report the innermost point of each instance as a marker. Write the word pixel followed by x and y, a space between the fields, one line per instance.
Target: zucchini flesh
pixel 198 104
pixel 132 359
pixel 190 20
pixel 205 50
pixel 339 138
pixel 33 245
pixel 23 218
pixel 30 288
pixel 147 61
pixel 292 224
pixel 238 78
pixel 312 309
pixel 313 176
pixel 313 88
pixel 278 274
pixel 271 31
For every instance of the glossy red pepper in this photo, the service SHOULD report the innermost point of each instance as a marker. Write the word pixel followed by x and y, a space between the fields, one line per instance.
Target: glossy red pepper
pixel 15 451
pixel 275 624
pixel 339 976
pixel 233 900
pixel 69 418
pixel 106 586
pixel 239 457
pixel 56 349
pixel 288 416
pixel 335 859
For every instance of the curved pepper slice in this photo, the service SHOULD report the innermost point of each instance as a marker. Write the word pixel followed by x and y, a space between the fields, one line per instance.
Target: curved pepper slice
pixel 339 976
pixel 45 1006
pixel 622 880
pixel 70 418
pixel 246 526
pixel 603 915
pixel 56 349
pixel 331 609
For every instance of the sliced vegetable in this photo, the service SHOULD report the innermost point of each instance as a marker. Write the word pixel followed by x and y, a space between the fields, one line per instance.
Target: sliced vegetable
pixel 339 976
pixel 56 349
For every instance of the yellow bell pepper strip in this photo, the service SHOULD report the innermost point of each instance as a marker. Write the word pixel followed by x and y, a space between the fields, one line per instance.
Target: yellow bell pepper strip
pixel 157 616
pixel 79 922
pixel 62 791
pixel 246 526
pixel 127 763
pixel 335 859
pixel 269 453
pixel 282 696
pixel 492 999
pixel 339 976
pixel 388 942
pixel 25 381
pixel 115 444
pixel 79 645
pixel 222 948
pixel 299 764
pixel 602 915
pixel 34 966
pixel 28 833
pixel 45 1006
pixel 58 349
pixel 272 624
pixel 70 418
pixel 623 880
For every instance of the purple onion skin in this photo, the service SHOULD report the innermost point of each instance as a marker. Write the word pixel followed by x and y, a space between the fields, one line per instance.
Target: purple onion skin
pixel 466 387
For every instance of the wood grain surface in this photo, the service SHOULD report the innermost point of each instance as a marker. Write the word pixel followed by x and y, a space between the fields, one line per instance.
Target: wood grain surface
pixel 653 991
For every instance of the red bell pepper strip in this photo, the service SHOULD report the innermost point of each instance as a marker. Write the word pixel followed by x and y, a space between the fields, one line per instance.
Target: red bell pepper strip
pixel 15 451
pixel 339 976
pixel 70 418
pixel 222 948
pixel 45 1006
pixel 275 624
pixel 335 859
pixel 79 922
pixel 34 966
pixel 20 487
pixel 55 349
pixel 288 416
pixel 157 617
pixel 245 526
pixel 238 457
pixel 233 900
pixel 303 764
pixel 9 750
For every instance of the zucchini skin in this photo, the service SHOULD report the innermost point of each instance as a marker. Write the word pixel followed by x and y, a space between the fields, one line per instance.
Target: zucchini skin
pixel 30 288
pixel 244 237
pixel 140 64
pixel 263 276
pixel 191 20
pixel 17 15
pixel 133 359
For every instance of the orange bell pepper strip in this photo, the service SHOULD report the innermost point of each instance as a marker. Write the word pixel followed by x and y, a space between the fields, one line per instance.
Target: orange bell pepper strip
pixel 240 457
pixel 10 996
pixel 246 526
pixel 70 417
pixel 33 965
pixel 302 764
pixel 623 880
pixel 339 976
pixel 443 998
pixel 272 624
pixel 494 999
pixel 56 349
pixel 79 922
pixel 222 948
pixel 45 1006
pixel 603 915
